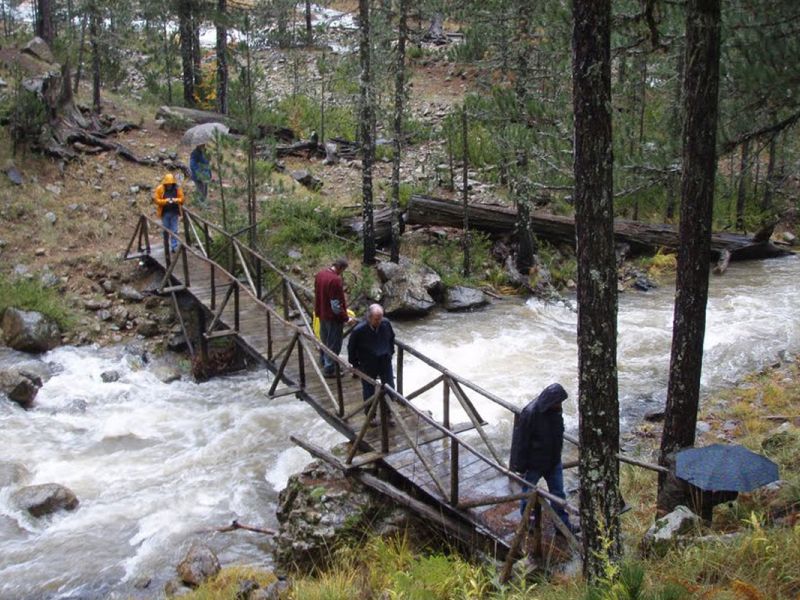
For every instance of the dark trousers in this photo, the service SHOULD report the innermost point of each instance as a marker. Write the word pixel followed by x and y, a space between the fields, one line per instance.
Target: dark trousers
pixel 555 485
pixel 330 334
pixel 379 368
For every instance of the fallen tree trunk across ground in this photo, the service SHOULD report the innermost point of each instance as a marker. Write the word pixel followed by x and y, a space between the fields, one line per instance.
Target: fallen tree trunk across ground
pixel 643 238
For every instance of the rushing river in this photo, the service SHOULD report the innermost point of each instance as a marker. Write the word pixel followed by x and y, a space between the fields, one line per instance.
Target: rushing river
pixel 157 465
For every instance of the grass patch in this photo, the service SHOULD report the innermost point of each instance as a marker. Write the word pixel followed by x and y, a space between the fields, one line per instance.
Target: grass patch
pixel 29 294
pixel 225 585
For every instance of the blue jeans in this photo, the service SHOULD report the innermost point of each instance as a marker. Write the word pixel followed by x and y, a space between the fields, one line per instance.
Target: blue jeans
pixel 170 221
pixel 555 485
pixel 330 334
pixel 381 368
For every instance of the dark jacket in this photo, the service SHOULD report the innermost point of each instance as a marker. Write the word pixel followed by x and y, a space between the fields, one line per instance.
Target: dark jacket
pixel 539 432
pixel 368 347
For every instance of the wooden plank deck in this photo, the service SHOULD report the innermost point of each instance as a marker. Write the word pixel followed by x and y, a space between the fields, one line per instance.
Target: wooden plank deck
pixel 422 461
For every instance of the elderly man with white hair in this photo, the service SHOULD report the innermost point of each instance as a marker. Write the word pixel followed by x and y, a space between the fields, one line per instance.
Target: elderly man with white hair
pixel 370 350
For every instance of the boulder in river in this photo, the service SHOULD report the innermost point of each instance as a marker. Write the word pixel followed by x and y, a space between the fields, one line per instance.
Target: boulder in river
pixel 199 564
pixel 20 386
pixel 29 331
pixel 459 297
pixel 405 289
pixel 44 499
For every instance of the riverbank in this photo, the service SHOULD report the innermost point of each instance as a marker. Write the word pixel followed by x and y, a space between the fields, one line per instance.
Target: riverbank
pixel 750 550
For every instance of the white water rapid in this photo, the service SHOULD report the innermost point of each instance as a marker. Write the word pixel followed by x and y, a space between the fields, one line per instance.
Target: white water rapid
pixel 157 465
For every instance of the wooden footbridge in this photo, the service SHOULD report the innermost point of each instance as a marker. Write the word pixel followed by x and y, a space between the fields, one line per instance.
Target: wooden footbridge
pixel 450 473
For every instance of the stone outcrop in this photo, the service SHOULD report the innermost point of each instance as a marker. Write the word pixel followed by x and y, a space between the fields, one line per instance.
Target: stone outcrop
pixel 199 564
pixel 459 298
pixel 405 288
pixel 44 499
pixel 29 331
pixel 319 507
pixel 669 530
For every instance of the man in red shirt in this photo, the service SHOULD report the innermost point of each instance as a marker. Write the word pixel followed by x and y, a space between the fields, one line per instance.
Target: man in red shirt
pixel 330 307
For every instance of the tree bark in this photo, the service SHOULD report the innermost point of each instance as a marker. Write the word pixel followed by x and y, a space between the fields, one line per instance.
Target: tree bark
pixel 701 92
pixel 741 193
pixel 769 184
pixel 94 19
pixel 44 21
pixel 309 29
pixel 464 186
pixel 597 286
pixel 399 98
pixel 367 142
pixel 222 57
pixel 187 55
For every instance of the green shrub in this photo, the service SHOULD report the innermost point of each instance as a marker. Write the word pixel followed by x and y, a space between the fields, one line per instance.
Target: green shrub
pixel 27 294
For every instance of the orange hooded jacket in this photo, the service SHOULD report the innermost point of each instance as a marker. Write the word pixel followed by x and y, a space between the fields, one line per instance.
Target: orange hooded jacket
pixel 158 194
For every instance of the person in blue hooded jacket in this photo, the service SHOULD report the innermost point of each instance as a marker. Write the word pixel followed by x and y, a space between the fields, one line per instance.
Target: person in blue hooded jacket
pixel 537 442
pixel 200 168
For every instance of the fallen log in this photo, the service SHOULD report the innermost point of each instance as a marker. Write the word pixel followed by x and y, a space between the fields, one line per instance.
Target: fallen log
pixel 643 238
pixel 181 118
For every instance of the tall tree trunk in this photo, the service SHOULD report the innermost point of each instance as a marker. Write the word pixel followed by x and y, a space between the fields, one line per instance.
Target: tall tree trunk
pixel 222 57
pixel 399 98
pixel 197 54
pixel 187 55
pixel 167 62
pixel 464 186
pixel 44 21
pixel 701 92
pixel 367 142
pixel 675 125
pixel 309 29
pixel 94 20
pixel 741 193
pixel 79 66
pixel 597 285
pixel 769 184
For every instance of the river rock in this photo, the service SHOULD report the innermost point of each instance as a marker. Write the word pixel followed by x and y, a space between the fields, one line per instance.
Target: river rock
pixel 20 386
pixel 119 314
pixel 404 291
pixel 147 328
pixel 274 591
pixel 669 530
pixel 130 293
pixel 109 376
pixel 44 499
pixel 94 304
pixel 29 331
pixel 13 474
pixel 167 373
pixel 460 297
pixel 199 564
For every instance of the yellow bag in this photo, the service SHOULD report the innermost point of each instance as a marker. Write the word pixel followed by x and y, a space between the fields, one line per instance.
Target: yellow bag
pixel 315 321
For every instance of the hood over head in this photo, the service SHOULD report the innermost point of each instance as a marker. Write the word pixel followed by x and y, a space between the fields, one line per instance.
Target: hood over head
pixel 169 179
pixel 551 395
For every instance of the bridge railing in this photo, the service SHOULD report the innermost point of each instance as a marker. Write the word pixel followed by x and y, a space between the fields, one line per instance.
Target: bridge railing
pixel 246 272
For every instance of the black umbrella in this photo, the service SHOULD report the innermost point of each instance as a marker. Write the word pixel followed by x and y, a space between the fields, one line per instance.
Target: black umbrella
pixel 724 468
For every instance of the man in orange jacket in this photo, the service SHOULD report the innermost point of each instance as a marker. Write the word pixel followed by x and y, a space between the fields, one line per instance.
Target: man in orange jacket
pixel 168 197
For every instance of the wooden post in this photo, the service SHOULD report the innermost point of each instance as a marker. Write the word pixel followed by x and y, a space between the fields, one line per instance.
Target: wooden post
pixel 185 258
pixel 400 360
pixel 201 334
pixel 384 421
pixel 301 365
pixel 167 257
pixel 339 390
pixel 520 535
pixel 235 306
pixel 285 299
pixel 446 404
pixel 453 471
pixel 207 239
pixel 269 335
pixel 213 286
